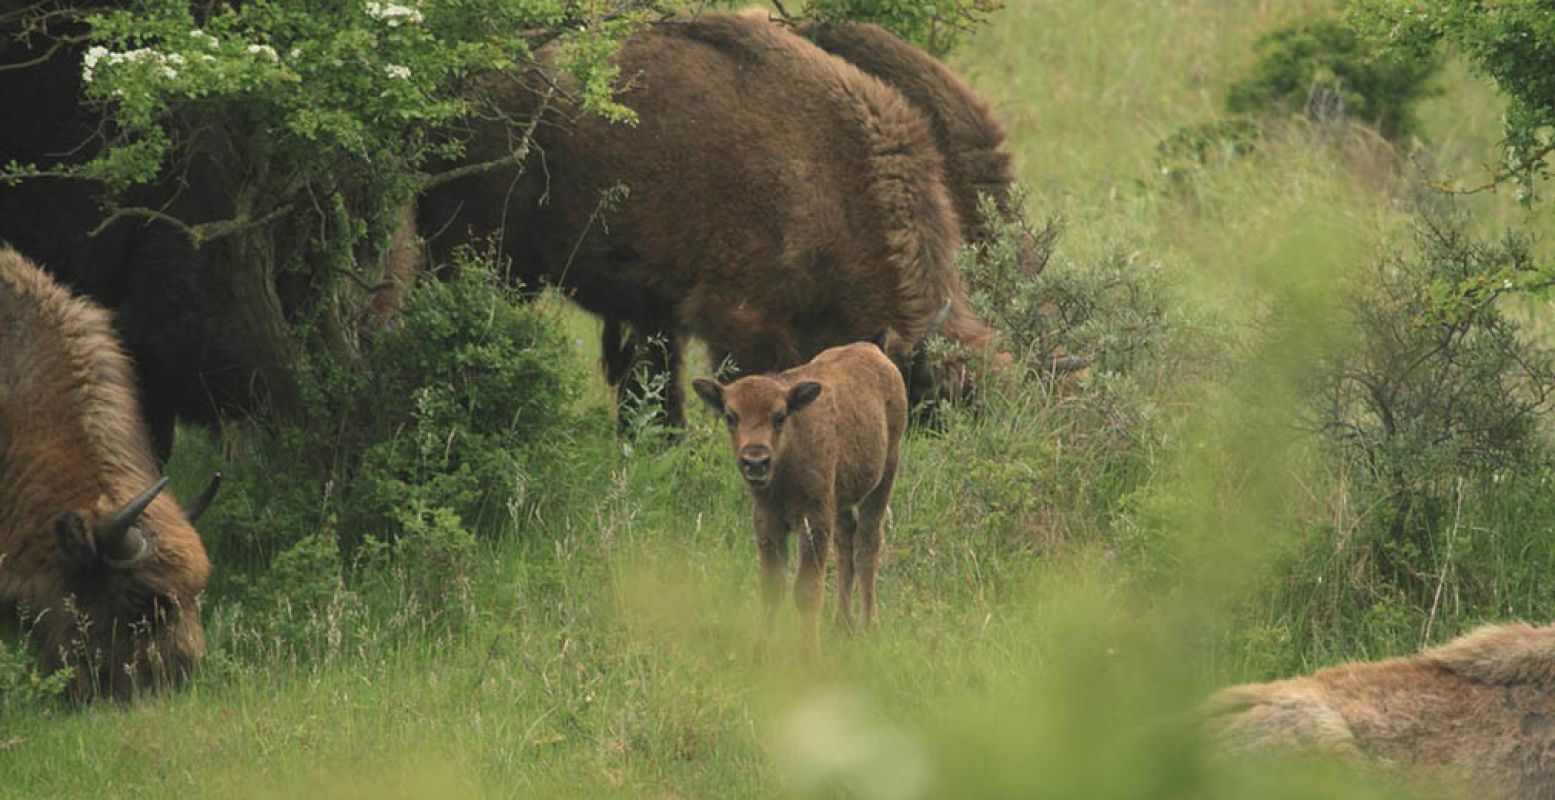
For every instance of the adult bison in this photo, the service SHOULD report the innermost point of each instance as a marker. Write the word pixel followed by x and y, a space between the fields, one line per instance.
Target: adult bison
pixel 778 201
pixel 95 557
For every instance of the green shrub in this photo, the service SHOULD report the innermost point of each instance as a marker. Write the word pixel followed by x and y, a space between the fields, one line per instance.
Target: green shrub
pixel 21 684
pixel 1118 315
pixel 1050 457
pixel 1207 144
pixel 1507 42
pixel 450 428
pixel 1439 393
pixel 299 606
pixel 430 563
pixel 1322 69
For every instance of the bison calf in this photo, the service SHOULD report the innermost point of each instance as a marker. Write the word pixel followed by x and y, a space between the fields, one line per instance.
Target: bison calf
pixel 1481 708
pixel 818 447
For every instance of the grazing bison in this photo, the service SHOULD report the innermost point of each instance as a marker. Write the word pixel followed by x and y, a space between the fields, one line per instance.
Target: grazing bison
pixel 1481 707
pixel 94 556
pixel 778 202
pixel 818 447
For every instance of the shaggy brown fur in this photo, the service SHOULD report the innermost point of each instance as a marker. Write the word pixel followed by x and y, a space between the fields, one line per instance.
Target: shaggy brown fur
pixel 781 201
pixel 1481 707
pixel 73 450
pixel 818 446
pixel 970 137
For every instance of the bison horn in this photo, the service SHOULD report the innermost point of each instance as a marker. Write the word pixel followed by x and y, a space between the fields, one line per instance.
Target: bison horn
pixel 193 511
pixel 118 540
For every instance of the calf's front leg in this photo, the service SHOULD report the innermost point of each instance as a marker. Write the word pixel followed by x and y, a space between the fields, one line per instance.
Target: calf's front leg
pixel 810 585
pixel 772 543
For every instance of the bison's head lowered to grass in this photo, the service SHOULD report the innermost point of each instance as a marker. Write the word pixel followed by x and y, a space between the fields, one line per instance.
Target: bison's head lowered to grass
pixel 96 558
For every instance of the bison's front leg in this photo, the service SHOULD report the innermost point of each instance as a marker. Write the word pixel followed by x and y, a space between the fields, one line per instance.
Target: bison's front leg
pixel 810 586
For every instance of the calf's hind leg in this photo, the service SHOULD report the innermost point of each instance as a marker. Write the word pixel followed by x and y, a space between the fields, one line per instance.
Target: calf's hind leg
pixel 871 532
pixel 847 523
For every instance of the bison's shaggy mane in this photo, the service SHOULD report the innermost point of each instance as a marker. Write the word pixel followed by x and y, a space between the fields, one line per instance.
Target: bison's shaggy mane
pixel 921 230
pixel 68 346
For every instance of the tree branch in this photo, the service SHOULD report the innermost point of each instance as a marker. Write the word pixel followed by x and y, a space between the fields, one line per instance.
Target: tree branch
pixel 515 157
pixel 198 235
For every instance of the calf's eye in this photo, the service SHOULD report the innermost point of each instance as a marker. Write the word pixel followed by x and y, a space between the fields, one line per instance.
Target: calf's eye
pixel 732 418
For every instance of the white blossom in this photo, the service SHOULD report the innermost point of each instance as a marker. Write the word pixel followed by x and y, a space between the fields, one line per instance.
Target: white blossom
pixel 397 71
pixel 392 14
pixel 209 40
pixel 166 63
pixel 89 61
pixel 264 50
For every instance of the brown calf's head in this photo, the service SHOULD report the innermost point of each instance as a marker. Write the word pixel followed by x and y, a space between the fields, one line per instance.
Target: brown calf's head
pixel 756 409
pixel 133 574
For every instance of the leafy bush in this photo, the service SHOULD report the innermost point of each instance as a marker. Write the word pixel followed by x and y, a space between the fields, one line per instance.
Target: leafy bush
pixel 1439 397
pixel 300 604
pixel 429 564
pixel 1117 315
pixel 1324 70
pixel 1207 144
pixel 1508 42
pixel 21 684
pixel 1096 345
pixel 448 431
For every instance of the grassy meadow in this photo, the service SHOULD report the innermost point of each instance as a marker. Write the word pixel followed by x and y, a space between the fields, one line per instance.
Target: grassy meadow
pixel 1068 572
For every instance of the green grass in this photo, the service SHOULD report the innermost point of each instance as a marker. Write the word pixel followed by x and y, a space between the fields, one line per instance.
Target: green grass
pixel 1061 586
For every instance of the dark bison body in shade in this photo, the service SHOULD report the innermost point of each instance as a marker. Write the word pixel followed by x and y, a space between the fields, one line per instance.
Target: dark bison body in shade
pixel 208 327
pixel 780 202
pixel 818 447
pixel 94 556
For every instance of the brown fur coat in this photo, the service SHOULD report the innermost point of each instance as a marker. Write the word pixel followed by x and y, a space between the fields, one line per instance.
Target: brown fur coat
pixel 1481 707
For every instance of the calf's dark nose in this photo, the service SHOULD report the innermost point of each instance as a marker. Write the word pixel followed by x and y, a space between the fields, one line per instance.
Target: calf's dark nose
pixel 754 463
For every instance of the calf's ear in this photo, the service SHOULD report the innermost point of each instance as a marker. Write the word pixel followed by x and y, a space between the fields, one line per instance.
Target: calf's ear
pixel 711 393
pixel 802 395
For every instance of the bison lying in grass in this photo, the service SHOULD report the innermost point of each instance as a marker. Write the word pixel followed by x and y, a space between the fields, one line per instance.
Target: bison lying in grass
pixel 98 560
pixel 779 202
pixel 1481 708
pixel 818 447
